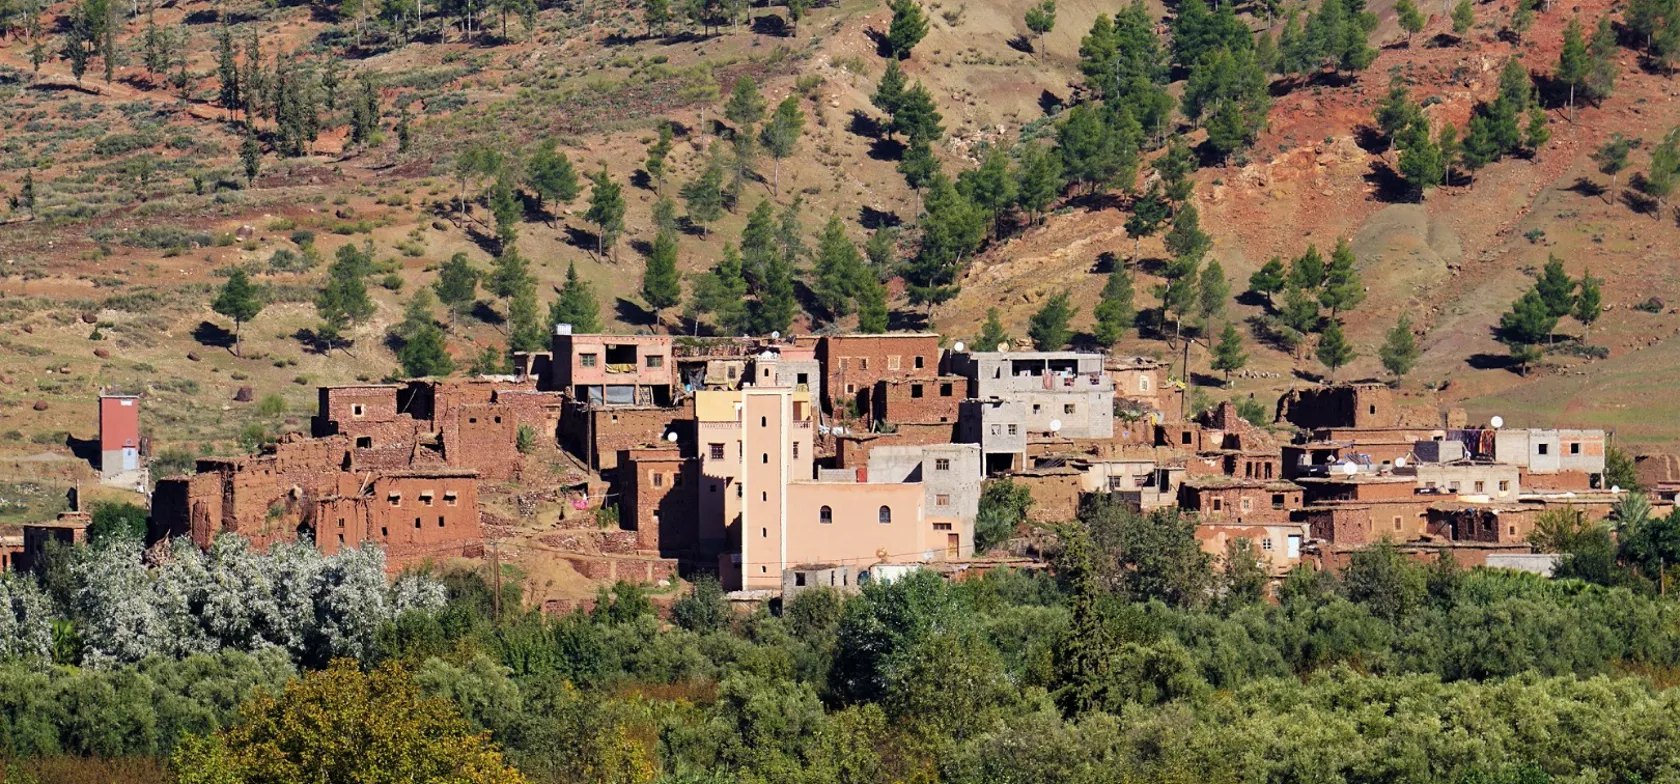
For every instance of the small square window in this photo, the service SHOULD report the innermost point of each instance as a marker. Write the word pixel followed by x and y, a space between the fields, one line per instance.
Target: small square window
pixel 1036 408
pixel 1575 448
pixel 945 390
pixel 1277 500
pixel 1480 487
pixel 1504 486
pixel 1014 429
pixel 843 363
pixel 356 409
pixel 395 499
pixel 586 360
pixel 892 362
pixel 1186 437
pixel 1218 504
pixel 851 389
pixel 1266 544
pixel 717 451
pixel 450 498
pixel 364 442
pixel 942 500
pixel 1067 408
pixel 915 391
pixel 863 363
pixel 731 372
pixel 658 479
pixel 426 498
pixel 656 361
pixel 1247 504
pixel 998 429
pixel 340 522
pixel 942 464
pixel 918 362
pixel 1542 448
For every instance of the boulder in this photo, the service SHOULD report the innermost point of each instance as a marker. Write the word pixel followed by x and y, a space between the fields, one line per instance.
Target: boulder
pixel 193 355
pixel 102 353
pixel 244 395
pixel 40 405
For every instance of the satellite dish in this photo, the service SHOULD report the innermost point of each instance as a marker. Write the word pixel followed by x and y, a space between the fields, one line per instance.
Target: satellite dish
pixel 1399 462
pixel 839 431
pixel 1497 422
pixel 1615 489
pixel 776 335
pixel 1004 346
pixel 671 437
pixel 1055 425
pixel 958 348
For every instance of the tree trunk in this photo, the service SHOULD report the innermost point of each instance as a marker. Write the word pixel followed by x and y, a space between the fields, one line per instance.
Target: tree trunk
pixel 775 177
pixel 238 350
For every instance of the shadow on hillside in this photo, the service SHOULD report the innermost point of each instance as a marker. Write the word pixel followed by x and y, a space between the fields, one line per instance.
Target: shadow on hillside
pixel 862 124
pixel 1388 186
pixel 1586 187
pixel 1050 103
pixel 632 313
pixel 214 335
pixel 1493 362
pixel 84 449
pixel 875 220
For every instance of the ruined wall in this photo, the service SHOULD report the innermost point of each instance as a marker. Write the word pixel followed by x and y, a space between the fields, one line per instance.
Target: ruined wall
pixel 1055 494
pixel 1362 405
pixel 605 432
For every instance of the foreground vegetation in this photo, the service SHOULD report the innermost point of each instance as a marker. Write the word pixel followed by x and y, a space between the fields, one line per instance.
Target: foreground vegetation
pixel 1136 661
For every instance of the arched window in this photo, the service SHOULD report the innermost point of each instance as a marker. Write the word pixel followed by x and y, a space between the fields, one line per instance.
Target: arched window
pixel 825 516
pixel 885 515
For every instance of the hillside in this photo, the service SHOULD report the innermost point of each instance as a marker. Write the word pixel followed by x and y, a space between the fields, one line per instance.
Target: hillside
pixel 141 205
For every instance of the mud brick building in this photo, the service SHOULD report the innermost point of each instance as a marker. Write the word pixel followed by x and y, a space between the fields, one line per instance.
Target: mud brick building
pixel 852 364
pixel 659 500
pixel 597 435
pixel 313 489
pixel 919 399
pixel 1238 500
pixel 69 528
pixel 1348 405
pixel 1279 545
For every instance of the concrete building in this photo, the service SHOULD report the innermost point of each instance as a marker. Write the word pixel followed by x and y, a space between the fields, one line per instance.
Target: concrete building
pixel 1542 451
pixel 999 426
pixel 1279 545
pixel 1142 483
pixel 795 367
pixel 120 446
pixel 803 577
pixel 852 364
pixel 613 370
pixel 950 476
pixel 1064 393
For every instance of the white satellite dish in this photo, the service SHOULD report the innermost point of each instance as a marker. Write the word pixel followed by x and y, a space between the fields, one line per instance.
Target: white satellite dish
pixel 1615 489
pixel 1055 425
pixel 671 437
pixel 1399 462
pixel 776 335
pixel 839 431
pixel 1004 346
pixel 958 348
pixel 1497 422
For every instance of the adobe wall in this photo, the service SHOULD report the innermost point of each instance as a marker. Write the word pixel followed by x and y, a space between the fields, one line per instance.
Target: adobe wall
pixel 659 500
pixel 1055 495
pixel 851 364
pixel 617 429
pixel 919 399
pixel 1339 406
pixel 336 407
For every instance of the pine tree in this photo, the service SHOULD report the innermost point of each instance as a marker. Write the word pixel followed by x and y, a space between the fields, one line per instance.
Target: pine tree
pixel 343 301
pixel 525 326
pixel 227 70
pixel 796 10
pixel 1041 19
pixel 746 105
pixel 1556 289
pixel 1228 356
pixel 250 154
pixel 426 354
pixel 722 293
pixel 1572 62
pixel 839 270
pixel 1038 181
pixel 1661 174
pixel 992 333
pixel 871 305
pixel 1115 311
pixel 908 27
pixel 889 90
pixel 1300 309
pixel 661 286
pixel 576 305
pixel 457 285
pixel 704 194
pixel 1612 158
pixel 1149 211
pixel 506 208
pixel 550 175
pixel 1212 290
pixel 1538 131
pixel 1589 304
pixel 1524 326
pixel 606 212
pixel 1422 161
pixel 780 137
pixel 990 187
pixel 657 154
pixel 656 13
pixel 1269 279
pixel 1048 328
pixel 1398 112
pixel 1411 20
pixel 1343 289
pixel 1307 270
pixel 1186 238
pixel 365 110
pixel 1463 17
pixel 1522 18
pixel 238 300
pixel 1602 52
pixel 1399 352
pixel 775 307
pixel 916 115
pixel 510 274
pixel 1333 349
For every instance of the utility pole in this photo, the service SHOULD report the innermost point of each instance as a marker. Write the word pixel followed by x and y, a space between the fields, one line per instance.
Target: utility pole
pixel 1184 399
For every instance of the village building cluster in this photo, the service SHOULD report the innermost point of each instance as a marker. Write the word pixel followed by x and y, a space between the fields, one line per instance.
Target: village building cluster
pixel 785 463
